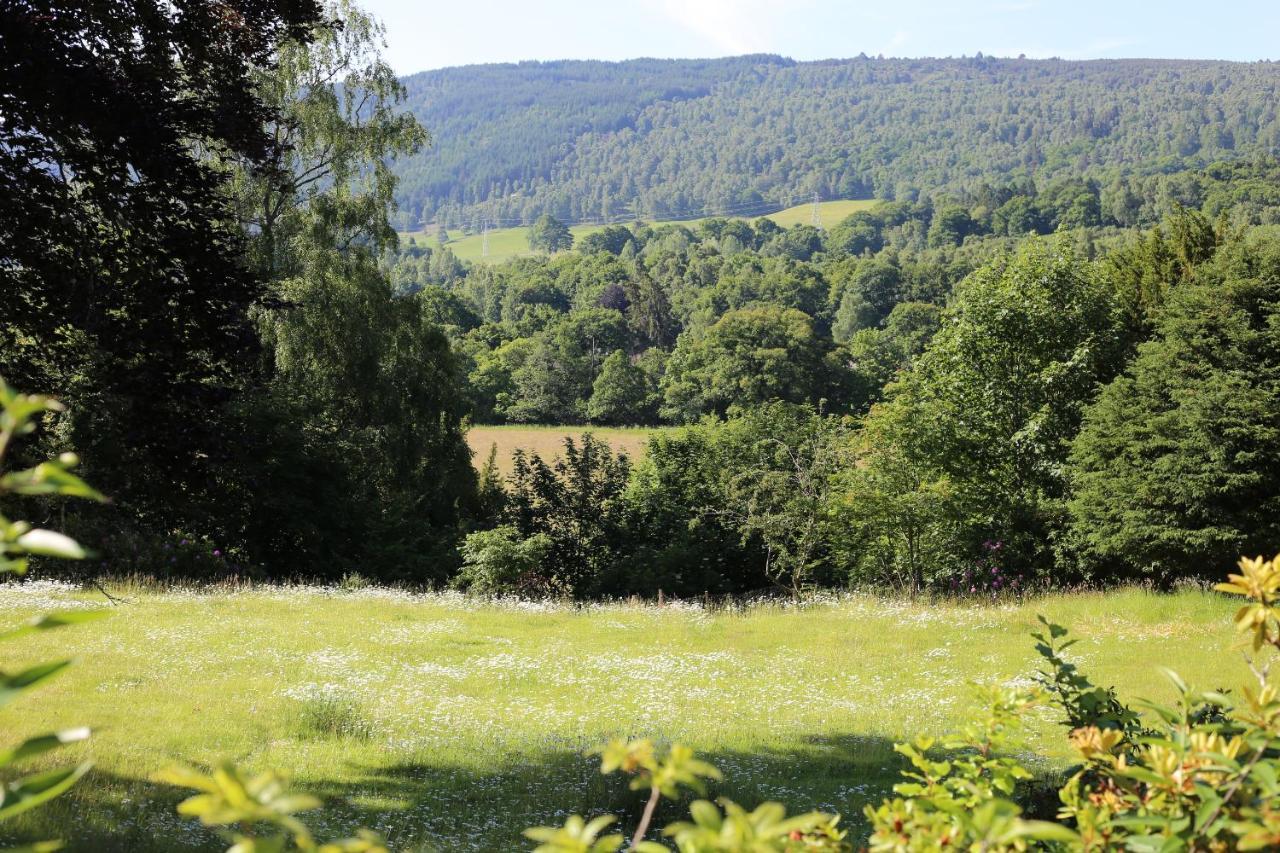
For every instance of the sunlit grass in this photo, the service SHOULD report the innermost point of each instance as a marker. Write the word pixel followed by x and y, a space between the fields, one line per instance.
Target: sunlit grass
pixel 451 724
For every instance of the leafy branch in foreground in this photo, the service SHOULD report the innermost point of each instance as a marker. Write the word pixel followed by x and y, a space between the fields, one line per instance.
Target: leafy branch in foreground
pixel 257 814
pixel 1203 774
pixel 765 829
pixel 19 540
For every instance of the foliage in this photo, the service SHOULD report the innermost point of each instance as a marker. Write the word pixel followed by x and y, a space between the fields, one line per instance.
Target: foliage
pixel 663 774
pixel 1082 702
pixel 784 497
pixel 1199 775
pixel 749 356
pixel 963 802
pixel 1171 469
pixel 621 393
pixel 992 404
pixel 19 541
pixel 878 355
pixel 574 506
pixel 257 814
pixel 500 561
pixel 548 234
pixel 361 461
pixel 122 286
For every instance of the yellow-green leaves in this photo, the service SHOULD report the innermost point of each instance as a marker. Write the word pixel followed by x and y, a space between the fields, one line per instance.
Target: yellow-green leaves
pixel 1259 581
pixel 261 809
pixel 761 830
pixel 576 836
pixel 18 541
pixel 50 478
pixel 666 773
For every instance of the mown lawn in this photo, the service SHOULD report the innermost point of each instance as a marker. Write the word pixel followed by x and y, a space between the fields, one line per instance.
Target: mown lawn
pixel 451 724
pixel 548 441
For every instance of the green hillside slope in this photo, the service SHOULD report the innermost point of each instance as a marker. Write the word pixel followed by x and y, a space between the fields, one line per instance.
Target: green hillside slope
pixel 675 139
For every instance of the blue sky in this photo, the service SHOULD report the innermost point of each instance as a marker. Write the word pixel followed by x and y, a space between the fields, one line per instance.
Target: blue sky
pixel 422 34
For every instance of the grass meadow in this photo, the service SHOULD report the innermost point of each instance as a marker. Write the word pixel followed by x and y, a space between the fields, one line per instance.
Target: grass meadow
pixel 507 243
pixel 548 441
pixel 452 724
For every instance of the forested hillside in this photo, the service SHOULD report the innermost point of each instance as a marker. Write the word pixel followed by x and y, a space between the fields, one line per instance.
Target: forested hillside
pixel 671 139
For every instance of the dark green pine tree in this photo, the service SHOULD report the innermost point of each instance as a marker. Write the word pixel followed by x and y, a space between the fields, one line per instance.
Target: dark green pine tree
pixel 1176 470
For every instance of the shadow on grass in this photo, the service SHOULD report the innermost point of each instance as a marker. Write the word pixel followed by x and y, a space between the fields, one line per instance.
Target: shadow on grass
pixel 429 807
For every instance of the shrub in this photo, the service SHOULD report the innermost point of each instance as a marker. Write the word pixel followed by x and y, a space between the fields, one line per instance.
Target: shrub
pixel 501 561
pixel 575 502
pixel 1202 774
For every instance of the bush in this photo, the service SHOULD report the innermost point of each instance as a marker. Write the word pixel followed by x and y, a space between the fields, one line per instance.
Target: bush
pixel 1202 774
pixel 501 561
pixel 575 504
pixel 736 506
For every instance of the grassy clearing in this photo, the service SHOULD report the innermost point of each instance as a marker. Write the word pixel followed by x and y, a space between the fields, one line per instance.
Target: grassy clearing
pixel 548 441
pixel 829 212
pixel 507 243
pixel 450 724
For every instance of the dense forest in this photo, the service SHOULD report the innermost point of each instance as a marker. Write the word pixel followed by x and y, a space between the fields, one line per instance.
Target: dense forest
pixel 596 141
pixel 273 384
pixel 235 404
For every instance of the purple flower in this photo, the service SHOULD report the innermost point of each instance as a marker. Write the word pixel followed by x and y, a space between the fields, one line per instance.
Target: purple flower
pixel 217 553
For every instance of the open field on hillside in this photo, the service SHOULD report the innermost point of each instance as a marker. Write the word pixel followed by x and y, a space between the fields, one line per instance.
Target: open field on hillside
pixel 548 441
pixel 506 243
pixel 450 724
pixel 829 212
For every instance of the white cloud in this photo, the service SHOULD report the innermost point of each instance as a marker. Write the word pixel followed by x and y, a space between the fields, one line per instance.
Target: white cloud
pixel 733 26
pixel 897 40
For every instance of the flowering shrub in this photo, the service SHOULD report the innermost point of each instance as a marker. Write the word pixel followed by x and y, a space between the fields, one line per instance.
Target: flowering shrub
pixel 177 555
pixel 1203 774
pixel 988 575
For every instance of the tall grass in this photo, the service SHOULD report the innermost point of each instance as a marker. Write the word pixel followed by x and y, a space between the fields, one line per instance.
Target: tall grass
pixel 454 723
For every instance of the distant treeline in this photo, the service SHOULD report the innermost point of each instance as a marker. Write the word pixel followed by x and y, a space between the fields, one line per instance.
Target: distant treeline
pixel 666 139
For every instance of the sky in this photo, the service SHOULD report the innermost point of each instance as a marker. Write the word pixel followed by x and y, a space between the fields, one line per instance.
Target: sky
pixel 422 34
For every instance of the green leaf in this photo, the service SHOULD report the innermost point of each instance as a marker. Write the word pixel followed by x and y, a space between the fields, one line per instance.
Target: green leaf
pixel 41 744
pixel 1043 830
pixel 35 790
pixel 50 543
pixel 50 621
pixel 11 686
